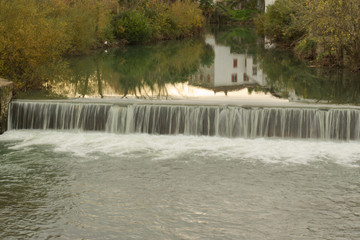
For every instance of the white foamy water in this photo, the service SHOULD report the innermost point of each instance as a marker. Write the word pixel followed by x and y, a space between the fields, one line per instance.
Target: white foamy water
pixel 159 147
pixel 97 185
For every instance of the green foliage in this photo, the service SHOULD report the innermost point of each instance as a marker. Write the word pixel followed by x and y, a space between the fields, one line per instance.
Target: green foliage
pixel 157 20
pixel 186 18
pixel 39 32
pixel 228 13
pixel 306 48
pixel 147 69
pixel 208 56
pixel 28 39
pixel 35 33
pixel 158 16
pixel 325 30
pixel 133 26
pixel 286 73
pixel 241 40
pixel 333 24
pixel 236 10
pixel 278 23
pixel 208 7
pixel 88 24
pixel 133 70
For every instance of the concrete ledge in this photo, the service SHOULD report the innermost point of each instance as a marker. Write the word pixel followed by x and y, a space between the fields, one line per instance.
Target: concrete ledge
pixel 209 102
pixel 6 88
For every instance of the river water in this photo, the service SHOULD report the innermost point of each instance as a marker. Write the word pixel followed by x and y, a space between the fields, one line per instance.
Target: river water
pixel 225 62
pixel 61 180
pixel 83 185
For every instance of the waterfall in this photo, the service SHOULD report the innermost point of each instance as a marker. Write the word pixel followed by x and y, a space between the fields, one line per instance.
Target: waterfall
pixel 228 121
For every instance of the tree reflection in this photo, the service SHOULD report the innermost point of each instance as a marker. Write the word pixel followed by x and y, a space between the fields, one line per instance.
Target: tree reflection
pixel 287 76
pixel 148 71
pixel 141 71
pixel 145 71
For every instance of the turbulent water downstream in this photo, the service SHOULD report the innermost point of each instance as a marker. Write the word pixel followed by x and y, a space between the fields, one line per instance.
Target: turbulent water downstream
pixel 95 185
pixel 72 170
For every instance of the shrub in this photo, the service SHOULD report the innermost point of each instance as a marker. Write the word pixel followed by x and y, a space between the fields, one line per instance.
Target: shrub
pixel 158 14
pixel 278 24
pixel 306 48
pixel 133 26
pixel 186 17
pixel 36 32
pixel 88 24
pixel 29 39
pixel 157 20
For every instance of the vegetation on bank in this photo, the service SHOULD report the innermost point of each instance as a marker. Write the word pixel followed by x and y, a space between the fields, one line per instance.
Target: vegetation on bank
pixel 231 11
pixel 35 33
pixel 153 20
pixel 237 11
pixel 326 32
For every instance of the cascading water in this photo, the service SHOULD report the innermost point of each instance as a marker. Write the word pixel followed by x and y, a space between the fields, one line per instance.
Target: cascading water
pixel 229 121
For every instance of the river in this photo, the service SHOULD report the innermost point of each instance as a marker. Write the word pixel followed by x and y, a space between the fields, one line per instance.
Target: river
pixel 209 138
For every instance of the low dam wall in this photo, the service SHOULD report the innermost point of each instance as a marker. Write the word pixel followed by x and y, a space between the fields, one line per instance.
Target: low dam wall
pixel 226 121
pixel 6 88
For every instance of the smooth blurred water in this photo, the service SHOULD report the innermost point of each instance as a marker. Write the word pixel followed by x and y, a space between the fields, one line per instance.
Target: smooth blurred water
pixel 81 185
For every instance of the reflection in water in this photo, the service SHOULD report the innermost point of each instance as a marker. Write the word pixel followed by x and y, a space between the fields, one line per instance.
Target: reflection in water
pixel 230 71
pixel 141 71
pixel 226 60
pixel 289 77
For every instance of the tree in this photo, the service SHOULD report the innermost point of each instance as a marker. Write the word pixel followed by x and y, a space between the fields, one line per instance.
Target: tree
pixel 28 39
pixel 34 33
pixel 335 26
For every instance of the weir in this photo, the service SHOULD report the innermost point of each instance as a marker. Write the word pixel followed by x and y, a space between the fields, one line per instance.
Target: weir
pixel 227 121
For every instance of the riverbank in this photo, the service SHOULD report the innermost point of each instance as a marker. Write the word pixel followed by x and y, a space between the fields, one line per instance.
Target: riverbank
pixel 6 88
pixel 40 33
pixel 322 32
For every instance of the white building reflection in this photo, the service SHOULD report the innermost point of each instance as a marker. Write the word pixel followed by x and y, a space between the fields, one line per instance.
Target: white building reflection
pixel 268 2
pixel 229 72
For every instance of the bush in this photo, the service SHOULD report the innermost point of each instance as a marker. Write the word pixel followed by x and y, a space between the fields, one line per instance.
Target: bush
pixel 306 48
pixel 133 26
pixel 277 23
pixel 29 39
pixel 88 25
pixel 34 33
pixel 186 17
pixel 158 20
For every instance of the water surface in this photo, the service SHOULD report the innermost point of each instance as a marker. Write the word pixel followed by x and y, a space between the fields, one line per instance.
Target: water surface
pixel 72 185
pixel 226 61
pixel 79 184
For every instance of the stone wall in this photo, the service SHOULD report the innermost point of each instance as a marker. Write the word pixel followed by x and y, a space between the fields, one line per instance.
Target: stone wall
pixel 6 88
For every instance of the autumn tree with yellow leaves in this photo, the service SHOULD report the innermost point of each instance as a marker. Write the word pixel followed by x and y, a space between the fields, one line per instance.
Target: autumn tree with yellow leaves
pixel 34 33
pixel 326 31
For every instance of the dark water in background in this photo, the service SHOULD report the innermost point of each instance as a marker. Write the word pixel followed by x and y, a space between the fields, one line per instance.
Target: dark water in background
pixel 223 61
pixel 68 185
